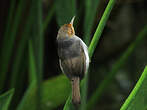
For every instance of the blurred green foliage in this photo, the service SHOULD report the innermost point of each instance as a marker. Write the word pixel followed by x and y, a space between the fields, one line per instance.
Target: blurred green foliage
pixel 31 26
pixel 5 99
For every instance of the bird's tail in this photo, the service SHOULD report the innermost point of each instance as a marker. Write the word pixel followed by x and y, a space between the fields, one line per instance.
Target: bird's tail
pixel 76 99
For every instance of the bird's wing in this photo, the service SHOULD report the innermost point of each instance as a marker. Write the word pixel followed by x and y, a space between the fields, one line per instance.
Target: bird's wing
pixel 60 65
pixel 85 48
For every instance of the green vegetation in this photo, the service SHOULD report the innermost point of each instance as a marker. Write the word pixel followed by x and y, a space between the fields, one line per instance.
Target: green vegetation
pixel 26 83
pixel 5 99
pixel 137 98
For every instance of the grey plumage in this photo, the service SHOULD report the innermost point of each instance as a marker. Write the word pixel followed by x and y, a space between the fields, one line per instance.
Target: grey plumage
pixel 72 57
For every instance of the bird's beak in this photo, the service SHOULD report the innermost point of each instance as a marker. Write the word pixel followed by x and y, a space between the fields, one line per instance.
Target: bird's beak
pixel 72 20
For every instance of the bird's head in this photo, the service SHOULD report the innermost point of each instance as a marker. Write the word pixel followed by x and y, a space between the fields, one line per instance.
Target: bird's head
pixel 67 30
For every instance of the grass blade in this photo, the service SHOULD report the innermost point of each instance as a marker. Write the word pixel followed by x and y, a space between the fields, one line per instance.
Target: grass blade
pixel 5 99
pixel 32 66
pixel 90 12
pixel 100 27
pixel 137 98
pixel 26 100
pixel 37 39
pixel 20 63
pixel 95 97
pixel 9 43
pixel 68 105
pixel 84 87
pixel 37 43
pixel 20 51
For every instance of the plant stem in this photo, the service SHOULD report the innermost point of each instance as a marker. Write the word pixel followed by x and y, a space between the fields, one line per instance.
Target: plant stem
pixel 100 27
pixel 135 90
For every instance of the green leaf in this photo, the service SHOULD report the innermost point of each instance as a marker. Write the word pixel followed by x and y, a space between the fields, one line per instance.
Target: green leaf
pixel 29 98
pixel 37 37
pixel 37 44
pixel 33 94
pixel 19 63
pixel 69 105
pixel 90 13
pixel 25 102
pixel 100 27
pixel 54 93
pixel 32 66
pixel 109 78
pixel 20 51
pixel 9 40
pixel 137 99
pixel 5 99
pixel 65 10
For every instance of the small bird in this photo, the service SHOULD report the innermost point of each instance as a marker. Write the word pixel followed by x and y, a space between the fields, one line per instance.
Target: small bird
pixel 73 58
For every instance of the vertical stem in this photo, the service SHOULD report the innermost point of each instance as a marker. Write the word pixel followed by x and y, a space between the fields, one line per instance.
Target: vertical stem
pixel 100 27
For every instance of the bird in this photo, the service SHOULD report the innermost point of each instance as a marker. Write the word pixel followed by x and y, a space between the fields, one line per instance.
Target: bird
pixel 73 58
